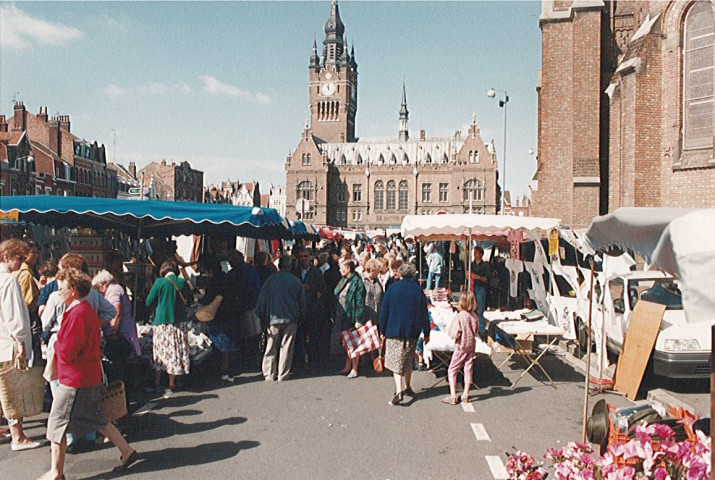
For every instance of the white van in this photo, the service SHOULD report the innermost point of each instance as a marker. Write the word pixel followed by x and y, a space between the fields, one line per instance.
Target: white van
pixel 682 349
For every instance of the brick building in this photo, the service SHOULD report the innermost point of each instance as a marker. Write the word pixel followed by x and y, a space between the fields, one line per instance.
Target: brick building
pixel 625 107
pixel 173 182
pixel 336 178
pixel 63 164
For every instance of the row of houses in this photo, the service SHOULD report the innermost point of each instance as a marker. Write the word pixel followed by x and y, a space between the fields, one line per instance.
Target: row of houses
pixel 39 155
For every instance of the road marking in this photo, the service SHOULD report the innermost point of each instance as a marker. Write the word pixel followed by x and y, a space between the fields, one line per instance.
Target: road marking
pixel 480 432
pixel 497 467
pixel 468 407
pixel 144 408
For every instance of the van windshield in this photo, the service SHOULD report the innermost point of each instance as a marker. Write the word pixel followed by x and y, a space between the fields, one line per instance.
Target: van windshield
pixel 663 291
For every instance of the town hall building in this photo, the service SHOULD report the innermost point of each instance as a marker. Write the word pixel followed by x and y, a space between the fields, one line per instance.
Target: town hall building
pixel 334 177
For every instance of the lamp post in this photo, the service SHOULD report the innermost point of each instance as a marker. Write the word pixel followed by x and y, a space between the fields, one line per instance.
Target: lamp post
pixel 502 103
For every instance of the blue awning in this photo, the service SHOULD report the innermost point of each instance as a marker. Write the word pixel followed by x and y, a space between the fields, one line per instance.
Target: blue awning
pixel 148 218
pixel 303 231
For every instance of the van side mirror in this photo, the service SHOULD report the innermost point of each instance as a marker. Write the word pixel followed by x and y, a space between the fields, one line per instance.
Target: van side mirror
pixel 619 306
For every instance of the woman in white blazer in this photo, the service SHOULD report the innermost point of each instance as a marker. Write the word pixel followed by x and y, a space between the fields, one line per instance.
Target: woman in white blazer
pixel 15 335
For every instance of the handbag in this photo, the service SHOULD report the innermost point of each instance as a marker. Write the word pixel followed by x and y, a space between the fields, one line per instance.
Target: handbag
pixel 207 312
pixel 113 403
pixel 378 363
pixel 360 340
pixel 249 324
pixel 22 390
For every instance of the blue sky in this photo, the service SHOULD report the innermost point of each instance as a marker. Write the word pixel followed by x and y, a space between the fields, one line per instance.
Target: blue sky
pixel 223 85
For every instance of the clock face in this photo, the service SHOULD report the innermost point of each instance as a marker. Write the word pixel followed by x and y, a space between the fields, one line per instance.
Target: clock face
pixel 327 89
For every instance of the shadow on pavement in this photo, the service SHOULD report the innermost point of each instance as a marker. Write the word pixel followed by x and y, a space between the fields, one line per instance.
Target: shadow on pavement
pixel 170 458
pixel 152 426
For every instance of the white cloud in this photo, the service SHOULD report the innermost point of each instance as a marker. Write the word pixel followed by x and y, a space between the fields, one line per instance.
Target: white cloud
pixel 214 86
pixel 154 89
pixel 20 30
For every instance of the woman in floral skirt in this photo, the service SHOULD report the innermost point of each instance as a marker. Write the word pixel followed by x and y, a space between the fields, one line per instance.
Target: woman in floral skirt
pixel 170 295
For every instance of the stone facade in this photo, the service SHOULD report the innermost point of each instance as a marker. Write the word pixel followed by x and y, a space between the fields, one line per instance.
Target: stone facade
pixel 173 182
pixel 335 178
pixel 644 136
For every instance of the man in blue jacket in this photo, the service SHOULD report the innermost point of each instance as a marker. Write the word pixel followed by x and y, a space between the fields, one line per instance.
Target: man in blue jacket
pixel 281 306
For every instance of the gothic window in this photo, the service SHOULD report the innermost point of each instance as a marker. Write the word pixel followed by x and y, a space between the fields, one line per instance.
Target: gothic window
pixel 344 161
pixel 698 76
pixel 305 190
pixel 445 159
pixel 391 191
pixel 393 159
pixel 428 158
pixel 307 159
pixel 443 189
pixel 405 158
pixel 426 192
pixel 359 160
pixel 302 162
pixel 357 192
pixel 473 190
pixel 404 193
pixel 380 159
pixel 342 193
pixel 379 195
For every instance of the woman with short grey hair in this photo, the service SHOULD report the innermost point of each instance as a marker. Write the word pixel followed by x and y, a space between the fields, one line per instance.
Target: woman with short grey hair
pixel 403 317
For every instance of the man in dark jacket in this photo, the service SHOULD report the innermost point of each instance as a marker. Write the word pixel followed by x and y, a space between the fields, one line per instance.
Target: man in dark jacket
pixel 281 306
pixel 310 332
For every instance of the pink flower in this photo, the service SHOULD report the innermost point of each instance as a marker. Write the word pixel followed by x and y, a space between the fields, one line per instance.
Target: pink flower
pixel 623 473
pixel 661 474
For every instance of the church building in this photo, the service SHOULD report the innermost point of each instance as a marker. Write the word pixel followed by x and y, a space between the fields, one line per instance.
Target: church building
pixel 334 177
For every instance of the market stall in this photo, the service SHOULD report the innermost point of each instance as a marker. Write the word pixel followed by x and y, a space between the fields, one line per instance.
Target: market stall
pixel 677 241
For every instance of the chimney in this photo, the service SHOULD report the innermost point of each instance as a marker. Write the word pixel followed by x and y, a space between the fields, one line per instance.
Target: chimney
pixel 20 118
pixel 133 169
pixel 3 123
pixel 43 114
pixel 422 135
pixel 54 142
pixel 65 122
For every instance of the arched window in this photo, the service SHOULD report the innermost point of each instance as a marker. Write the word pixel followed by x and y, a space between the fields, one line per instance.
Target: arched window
pixel 305 190
pixel 393 160
pixel 391 192
pixel 404 192
pixel 428 158
pixel 473 191
pixel 359 159
pixel 380 159
pixel 405 158
pixel 307 162
pixel 698 76
pixel 379 195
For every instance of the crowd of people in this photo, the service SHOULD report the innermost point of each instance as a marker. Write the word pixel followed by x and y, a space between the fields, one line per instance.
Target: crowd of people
pixel 267 314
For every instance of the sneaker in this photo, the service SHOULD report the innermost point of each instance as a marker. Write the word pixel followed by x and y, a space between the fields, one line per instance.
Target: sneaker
pixel 396 400
pixel 225 377
pixel 409 391
pixel 352 375
pixel 168 393
pixel 18 447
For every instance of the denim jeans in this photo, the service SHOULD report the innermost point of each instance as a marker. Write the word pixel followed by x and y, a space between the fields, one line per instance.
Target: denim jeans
pixel 430 276
pixel 480 294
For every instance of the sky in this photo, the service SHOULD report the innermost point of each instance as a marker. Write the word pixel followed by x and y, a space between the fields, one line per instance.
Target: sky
pixel 224 85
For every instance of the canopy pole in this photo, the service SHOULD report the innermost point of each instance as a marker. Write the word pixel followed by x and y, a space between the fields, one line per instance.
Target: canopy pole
pixel 588 358
pixel 469 259
pixel 136 270
pixel 449 279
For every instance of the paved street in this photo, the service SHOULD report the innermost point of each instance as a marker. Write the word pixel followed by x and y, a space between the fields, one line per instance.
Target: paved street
pixel 331 427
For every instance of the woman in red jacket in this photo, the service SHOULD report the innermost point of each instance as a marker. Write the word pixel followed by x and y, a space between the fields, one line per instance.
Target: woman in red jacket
pixel 76 406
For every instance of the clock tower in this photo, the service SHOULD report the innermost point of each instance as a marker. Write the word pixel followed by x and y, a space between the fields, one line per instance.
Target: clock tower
pixel 333 85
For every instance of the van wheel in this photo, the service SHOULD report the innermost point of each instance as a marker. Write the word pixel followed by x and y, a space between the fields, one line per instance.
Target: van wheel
pixel 582 337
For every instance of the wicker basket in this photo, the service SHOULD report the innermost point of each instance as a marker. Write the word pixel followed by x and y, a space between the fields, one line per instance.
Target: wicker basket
pixel 22 392
pixel 114 403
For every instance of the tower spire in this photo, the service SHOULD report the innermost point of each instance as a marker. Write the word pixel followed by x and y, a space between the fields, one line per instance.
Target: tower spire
pixel 314 59
pixel 333 44
pixel 404 115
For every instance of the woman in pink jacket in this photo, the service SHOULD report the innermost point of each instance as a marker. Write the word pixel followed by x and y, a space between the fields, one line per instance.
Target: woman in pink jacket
pixel 463 329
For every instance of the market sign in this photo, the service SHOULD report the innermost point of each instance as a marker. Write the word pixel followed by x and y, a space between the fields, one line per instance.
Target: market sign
pixel 9 215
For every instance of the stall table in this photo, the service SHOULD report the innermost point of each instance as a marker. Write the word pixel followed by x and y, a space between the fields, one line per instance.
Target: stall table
pixel 523 333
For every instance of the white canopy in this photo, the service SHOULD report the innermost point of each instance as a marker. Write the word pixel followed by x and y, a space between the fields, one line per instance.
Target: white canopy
pixel 678 241
pixel 456 226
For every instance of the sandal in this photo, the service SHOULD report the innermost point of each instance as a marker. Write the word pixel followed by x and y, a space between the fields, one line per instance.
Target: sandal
pixel 450 400
pixel 132 458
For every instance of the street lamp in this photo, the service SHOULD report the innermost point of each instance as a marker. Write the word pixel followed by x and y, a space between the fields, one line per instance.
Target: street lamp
pixel 492 93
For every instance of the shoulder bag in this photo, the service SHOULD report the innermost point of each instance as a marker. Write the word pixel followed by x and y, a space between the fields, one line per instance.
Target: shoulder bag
pixel 183 300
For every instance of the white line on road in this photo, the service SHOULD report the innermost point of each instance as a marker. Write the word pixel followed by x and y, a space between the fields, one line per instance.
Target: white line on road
pixel 468 407
pixel 480 432
pixel 497 467
pixel 144 408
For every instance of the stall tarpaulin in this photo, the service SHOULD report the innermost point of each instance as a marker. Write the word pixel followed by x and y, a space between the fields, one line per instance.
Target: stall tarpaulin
pixel 147 218
pixel 303 231
pixel 678 241
pixel 459 226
